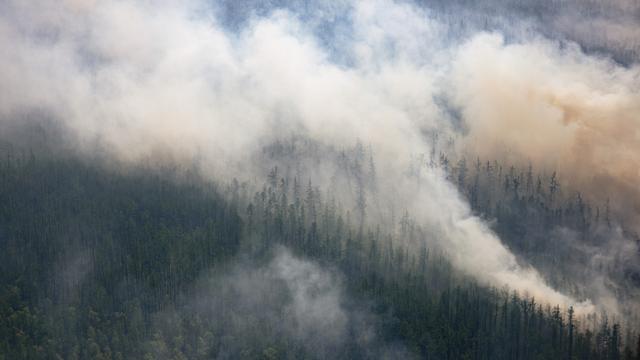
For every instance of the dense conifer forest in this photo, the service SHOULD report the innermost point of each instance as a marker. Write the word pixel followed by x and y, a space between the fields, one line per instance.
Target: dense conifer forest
pixel 103 262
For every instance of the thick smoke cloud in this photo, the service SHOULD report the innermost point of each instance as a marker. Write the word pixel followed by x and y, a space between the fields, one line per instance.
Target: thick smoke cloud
pixel 147 80
pixel 557 109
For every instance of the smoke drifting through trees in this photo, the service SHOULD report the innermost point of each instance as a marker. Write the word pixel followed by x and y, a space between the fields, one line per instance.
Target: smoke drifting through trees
pixel 286 303
pixel 557 110
pixel 145 80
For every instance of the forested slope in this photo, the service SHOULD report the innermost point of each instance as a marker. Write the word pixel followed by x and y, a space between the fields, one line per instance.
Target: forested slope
pixel 570 239
pixel 105 262
pixel 87 254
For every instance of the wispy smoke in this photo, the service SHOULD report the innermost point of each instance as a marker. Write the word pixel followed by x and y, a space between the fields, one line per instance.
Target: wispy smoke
pixel 149 79
pixel 286 302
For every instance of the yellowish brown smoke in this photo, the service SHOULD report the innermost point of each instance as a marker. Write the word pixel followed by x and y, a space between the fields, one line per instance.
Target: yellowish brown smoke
pixel 558 109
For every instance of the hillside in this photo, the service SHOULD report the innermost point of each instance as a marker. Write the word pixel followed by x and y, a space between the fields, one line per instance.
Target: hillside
pixel 105 263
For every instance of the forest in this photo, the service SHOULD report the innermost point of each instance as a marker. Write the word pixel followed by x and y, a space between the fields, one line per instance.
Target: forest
pixel 105 263
pixel 341 179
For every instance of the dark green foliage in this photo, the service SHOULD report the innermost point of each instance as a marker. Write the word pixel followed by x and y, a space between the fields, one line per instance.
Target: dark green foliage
pixel 101 264
pixel 87 254
pixel 558 231
pixel 436 312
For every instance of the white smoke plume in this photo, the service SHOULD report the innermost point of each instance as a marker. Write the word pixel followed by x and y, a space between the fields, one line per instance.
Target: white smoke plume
pixel 146 79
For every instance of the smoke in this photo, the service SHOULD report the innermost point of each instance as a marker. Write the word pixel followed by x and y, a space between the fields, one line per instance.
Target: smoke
pixel 603 28
pixel 168 79
pixel 603 267
pixel 288 302
pixel 558 109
